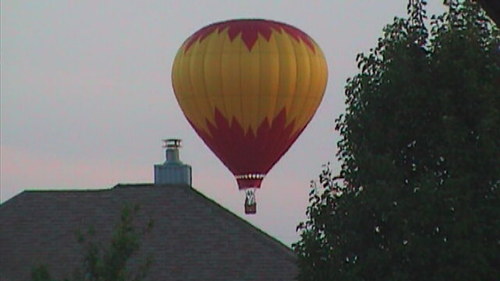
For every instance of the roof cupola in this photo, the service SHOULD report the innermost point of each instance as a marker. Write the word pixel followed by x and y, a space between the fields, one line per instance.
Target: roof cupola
pixel 173 171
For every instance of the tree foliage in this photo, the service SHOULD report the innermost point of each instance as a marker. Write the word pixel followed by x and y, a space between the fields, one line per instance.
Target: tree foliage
pixel 110 262
pixel 417 197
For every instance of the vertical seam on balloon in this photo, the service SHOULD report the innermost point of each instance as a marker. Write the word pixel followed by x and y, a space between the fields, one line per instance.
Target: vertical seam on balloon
pixel 275 97
pixel 224 96
pixel 266 145
pixel 186 63
pixel 201 52
pixel 209 41
pixel 276 145
pixel 289 114
pixel 242 48
pixel 197 50
pixel 203 55
pixel 221 75
pixel 256 115
pixel 324 70
pixel 261 122
pixel 307 96
pixel 180 95
pixel 296 94
pixel 324 67
pixel 230 93
pixel 272 111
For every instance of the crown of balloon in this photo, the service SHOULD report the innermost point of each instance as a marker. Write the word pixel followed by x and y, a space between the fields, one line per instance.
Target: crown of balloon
pixel 249 30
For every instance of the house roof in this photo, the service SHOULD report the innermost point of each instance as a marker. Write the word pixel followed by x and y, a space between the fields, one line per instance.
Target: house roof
pixel 193 237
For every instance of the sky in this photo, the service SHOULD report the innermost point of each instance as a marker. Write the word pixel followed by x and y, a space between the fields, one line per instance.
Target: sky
pixel 86 95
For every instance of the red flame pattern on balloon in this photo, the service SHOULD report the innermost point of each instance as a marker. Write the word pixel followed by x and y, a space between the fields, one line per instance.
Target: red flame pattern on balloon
pixel 249 30
pixel 249 153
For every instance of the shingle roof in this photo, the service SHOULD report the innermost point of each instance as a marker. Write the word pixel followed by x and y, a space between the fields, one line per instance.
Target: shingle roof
pixel 193 237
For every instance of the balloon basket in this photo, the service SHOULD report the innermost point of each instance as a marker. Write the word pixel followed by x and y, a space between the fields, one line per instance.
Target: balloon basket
pixel 250 202
pixel 250 209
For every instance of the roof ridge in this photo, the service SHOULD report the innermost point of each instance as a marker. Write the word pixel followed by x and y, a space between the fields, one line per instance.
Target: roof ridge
pixel 65 190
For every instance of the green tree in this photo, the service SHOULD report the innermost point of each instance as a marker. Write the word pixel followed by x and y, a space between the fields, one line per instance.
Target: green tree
pixel 110 262
pixel 417 197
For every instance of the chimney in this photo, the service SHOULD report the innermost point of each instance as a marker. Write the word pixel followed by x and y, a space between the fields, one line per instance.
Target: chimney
pixel 173 171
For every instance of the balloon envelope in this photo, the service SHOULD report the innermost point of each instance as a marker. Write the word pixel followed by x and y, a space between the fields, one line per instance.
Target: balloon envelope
pixel 249 88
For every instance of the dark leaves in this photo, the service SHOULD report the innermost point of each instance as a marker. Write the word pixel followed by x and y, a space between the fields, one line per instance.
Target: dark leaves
pixel 417 196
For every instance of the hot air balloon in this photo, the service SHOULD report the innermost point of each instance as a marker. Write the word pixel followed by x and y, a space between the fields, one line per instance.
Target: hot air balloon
pixel 249 87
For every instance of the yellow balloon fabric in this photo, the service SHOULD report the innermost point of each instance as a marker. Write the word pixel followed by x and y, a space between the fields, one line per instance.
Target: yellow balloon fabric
pixel 247 73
